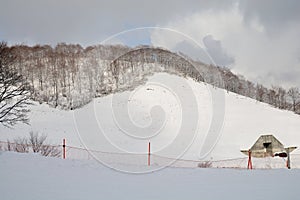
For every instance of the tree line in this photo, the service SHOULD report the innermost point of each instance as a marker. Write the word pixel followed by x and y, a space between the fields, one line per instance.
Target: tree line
pixel 69 76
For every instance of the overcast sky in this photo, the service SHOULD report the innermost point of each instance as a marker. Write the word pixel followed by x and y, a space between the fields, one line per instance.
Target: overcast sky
pixel 256 38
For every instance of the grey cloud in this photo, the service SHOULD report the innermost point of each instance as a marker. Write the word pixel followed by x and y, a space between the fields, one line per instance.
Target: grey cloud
pixel 90 21
pixel 217 53
pixel 288 78
pixel 193 51
pixel 274 15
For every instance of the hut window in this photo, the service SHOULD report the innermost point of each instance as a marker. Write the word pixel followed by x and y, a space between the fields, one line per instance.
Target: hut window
pixel 267 144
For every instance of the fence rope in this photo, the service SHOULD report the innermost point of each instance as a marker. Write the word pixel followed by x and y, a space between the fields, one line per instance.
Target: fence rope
pixel 141 158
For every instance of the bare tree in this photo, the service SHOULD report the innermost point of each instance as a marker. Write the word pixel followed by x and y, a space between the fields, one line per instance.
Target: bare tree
pixel 260 91
pixel 294 94
pixel 48 150
pixel 14 93
pixel 36 142
pixel 21 145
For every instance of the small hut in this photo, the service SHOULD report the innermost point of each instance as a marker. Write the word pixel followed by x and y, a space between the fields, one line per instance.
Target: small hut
pixel 268 146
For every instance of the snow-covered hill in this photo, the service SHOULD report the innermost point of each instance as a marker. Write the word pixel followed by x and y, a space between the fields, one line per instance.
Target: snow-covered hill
pixel 180 117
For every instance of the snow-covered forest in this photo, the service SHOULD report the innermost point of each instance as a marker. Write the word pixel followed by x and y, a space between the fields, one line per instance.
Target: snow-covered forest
pixel 69 76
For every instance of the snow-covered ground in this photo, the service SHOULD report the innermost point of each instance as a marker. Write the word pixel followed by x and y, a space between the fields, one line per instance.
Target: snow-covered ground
pixel 175 114
pixel 33 177
pixel 182 119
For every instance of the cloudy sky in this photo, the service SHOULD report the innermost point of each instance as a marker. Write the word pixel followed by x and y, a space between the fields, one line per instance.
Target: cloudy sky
pixel 255 38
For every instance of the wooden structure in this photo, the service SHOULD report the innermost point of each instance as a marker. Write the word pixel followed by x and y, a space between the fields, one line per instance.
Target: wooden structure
pixel 268 146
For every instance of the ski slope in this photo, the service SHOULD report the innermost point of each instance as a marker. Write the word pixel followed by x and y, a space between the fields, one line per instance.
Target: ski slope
pixel 175 114
pixel 33 177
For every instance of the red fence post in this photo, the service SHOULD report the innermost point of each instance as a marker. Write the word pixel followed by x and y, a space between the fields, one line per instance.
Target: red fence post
pixel 149 154
pixel 288 162
pixel 64 148
pixel 249 160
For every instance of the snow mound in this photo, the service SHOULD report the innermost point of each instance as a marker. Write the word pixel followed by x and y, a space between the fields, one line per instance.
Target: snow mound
pixel 176 115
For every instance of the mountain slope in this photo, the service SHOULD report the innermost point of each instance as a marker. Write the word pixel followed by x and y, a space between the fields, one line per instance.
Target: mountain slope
pixel 163 111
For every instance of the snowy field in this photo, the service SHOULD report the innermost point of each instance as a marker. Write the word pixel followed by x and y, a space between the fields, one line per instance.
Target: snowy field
pixel 119 126
pixel 33 177
pixel 127 121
